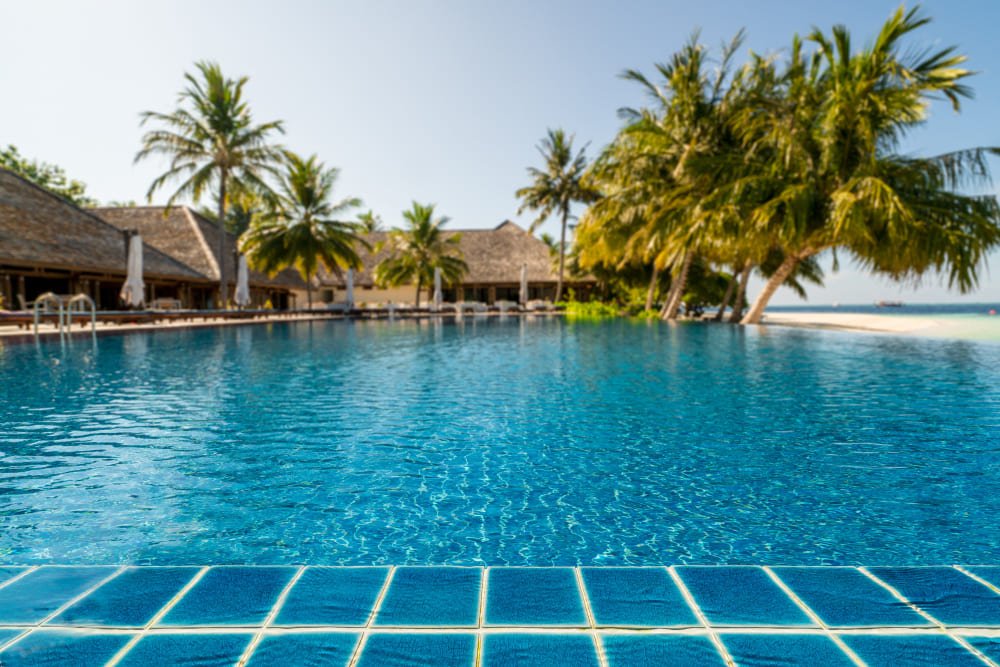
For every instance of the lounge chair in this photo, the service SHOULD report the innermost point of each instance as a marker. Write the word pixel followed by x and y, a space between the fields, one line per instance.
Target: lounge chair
pixel 506 306
pixel 538 305
pixel 474 307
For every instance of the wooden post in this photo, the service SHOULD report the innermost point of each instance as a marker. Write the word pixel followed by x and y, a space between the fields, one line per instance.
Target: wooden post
pixel 97 294
pixel 491 295
pixel 21 292
pixel 8 292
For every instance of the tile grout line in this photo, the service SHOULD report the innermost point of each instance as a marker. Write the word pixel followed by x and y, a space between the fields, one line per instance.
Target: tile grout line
pixel 941 626
pixel 813 616
pixel 976 577
pixel 483 591
pixel 157 617
pixel 19 576
pixel 60 609
pixel 602 658
pixel 371 618
pixel 269 619
pixel 700 615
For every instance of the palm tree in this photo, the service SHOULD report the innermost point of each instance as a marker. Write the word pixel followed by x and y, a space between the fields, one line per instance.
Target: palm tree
pixel 370 222
pixel 303 230
pixel 556 187
pixel 213 144
pixel 823 165
pixel 415 252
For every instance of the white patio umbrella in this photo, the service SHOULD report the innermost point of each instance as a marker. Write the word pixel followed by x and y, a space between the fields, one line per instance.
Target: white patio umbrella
pixel 133 292
pixel 349 288
pixel 437 289
pixel 523 296
pixel 242 296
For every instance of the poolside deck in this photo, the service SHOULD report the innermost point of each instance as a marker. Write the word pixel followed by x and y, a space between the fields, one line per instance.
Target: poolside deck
pixel 601 616
pixel 18 326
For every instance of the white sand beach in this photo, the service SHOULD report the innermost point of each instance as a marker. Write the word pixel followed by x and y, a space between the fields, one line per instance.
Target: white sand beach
pixel 971 327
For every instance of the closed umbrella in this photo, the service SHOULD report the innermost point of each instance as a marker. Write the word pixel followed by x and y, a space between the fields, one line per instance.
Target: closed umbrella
pixel 523 296
pixel 133 292
pixel 437 288
pixel 349 285
pixel 242 283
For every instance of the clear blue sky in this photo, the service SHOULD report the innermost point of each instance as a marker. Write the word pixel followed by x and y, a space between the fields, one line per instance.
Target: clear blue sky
pixel 438 101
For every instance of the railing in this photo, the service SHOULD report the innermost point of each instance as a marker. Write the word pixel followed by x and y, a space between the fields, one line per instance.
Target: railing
pixel 64 306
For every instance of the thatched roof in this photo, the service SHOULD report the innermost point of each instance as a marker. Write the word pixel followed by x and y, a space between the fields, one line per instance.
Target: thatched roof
pixel 183 233
pixel 40 229
pixel 494 256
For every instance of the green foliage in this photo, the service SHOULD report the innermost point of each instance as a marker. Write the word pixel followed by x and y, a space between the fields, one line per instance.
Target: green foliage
pixel 589 310
pixel 370 222
pixel 555 188
pixel 416 251
pixel 301 229
pixel 771 164
pixel 48 176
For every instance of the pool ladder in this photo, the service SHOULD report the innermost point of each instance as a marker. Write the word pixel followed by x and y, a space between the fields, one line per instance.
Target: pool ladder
pixel 65 305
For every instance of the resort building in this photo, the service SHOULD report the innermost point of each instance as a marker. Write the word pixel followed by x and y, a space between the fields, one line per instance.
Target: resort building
pixel 495 258
pixel 49 245
pixel 185 235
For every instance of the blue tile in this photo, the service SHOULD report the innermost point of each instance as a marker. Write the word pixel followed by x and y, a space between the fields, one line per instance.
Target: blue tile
pixel 945 593
pixel 910 650
pixel 533 596
pixel 741 596
pixel 513 650
pixel 231 596
pixel 202 649
pixel 760 650
pixel 333 596
pixel 438 596
pixel 635 596
pixel 7 573
pixel 844 597
pixel 403 650
pixel 989 573
pixel 35 596
pixel 131 599
pixel 6 635
pixel 329 649
pixel 656 650
pixel 990 646
pixel 59 647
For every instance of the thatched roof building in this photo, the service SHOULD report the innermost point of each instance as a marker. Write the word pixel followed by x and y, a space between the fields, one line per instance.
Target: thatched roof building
pixel 494 256
pixel 188 236
pixel 49 244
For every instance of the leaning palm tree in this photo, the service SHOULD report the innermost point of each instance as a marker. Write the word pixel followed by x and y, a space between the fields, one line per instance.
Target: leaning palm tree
pixel 556 187
pixel 825 167
pixel 415 252
pixel 303 230
pixel 213 145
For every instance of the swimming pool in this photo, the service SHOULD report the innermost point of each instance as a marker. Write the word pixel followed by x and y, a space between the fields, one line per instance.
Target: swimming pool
pixel 523 442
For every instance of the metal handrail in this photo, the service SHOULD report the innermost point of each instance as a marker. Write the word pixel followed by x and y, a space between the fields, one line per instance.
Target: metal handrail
pixel 43 300
pixel 64 307
pixel 85 300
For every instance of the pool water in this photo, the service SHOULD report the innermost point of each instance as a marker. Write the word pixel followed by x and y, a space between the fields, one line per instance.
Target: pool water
pixel 515 441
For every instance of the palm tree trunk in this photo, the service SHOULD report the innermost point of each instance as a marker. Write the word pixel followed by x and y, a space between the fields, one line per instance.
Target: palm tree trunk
pixel 741 292
pixel 730 289
pixel 420 285
pixel 756 311
pixel 677 293
pixel 309 293
pixel 562 254
pixel 651 292
pixel 223 292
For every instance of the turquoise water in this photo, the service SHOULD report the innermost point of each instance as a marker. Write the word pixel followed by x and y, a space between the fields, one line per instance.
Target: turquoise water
pixel 493 442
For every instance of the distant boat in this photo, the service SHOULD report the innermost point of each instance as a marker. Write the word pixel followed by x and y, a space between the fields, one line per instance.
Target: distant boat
pixel 888 304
